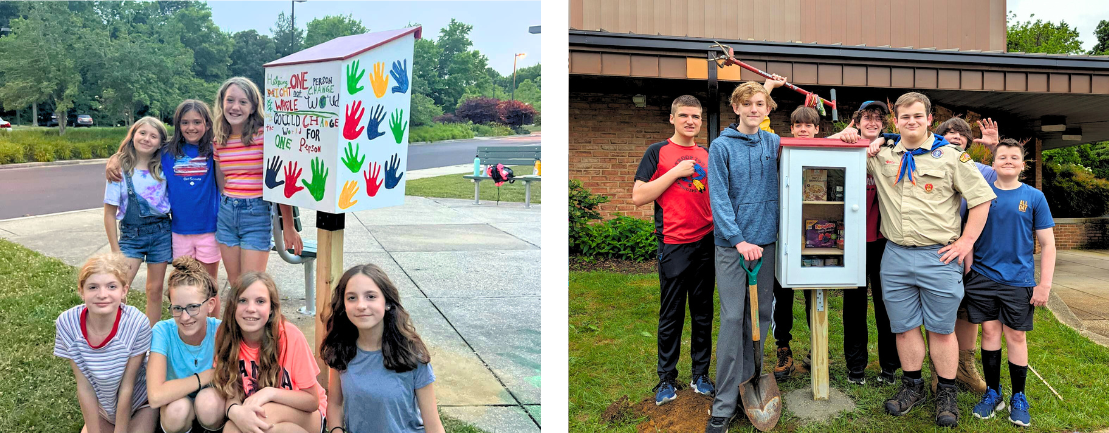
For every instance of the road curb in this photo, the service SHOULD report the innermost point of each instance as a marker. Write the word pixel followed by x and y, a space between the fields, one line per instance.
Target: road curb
pixel 53 163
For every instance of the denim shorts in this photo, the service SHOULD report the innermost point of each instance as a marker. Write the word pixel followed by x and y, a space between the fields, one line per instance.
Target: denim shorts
pixel 152 243
pixel 245 223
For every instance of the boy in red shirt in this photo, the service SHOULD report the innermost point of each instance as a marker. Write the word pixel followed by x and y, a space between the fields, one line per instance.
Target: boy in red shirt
pixel 672 174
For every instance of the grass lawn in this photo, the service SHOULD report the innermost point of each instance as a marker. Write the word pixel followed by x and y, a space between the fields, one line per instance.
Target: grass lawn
pixel 39 393
pixel 454 186
pixel 614 320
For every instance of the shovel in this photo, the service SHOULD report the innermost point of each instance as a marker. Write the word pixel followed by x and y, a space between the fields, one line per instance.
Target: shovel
pixel 762 401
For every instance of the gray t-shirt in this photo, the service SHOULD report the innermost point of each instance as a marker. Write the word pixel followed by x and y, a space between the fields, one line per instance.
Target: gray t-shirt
pixel 379 399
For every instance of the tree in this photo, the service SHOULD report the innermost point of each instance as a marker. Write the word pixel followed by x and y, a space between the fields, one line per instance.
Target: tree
pixel 324 29
pixel 252 50
pixel 286 39
pixel 1042 37
pixel 479 110
pixel 1102 34
pixel 515 113
pixel 529 93
pixel 425 69
pixel 424 110
pixel 211 47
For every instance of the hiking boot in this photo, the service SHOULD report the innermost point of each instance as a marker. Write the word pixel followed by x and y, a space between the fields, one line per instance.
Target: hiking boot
pixel 665 392
pixel 1018 410
pixel 907 397
pixel 702 385
pixel 968 372
pixel 718 424
pixel 857 378
pixel 947 407
pixel 785 363
pixel 990 403
pixel 886 378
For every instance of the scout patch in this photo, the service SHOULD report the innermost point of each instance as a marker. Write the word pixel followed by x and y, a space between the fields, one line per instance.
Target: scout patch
pixel 928 188
pixel 965 157
pixel 937 153
pixel 1023 206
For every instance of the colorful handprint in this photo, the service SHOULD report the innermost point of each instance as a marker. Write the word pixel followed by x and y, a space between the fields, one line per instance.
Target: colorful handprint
pixel 698 177
pixel 349 190
pixel 391 176
pixel 272 171
pixel 400 76
pixel 377 114
pixel 319 179
pixel 372 173
pixel 351 124
pixel 292 173
pixel 379 80
pixel 354 76
pixel 351 159
pixel 396 126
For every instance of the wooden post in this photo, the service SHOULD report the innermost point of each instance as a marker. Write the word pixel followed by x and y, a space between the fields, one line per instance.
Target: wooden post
pixel 1039 156
pixel 714 99
pixel 819 344
pixel 329 268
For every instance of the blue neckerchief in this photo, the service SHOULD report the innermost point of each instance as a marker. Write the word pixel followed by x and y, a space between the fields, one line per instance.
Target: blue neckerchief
pixel 908 163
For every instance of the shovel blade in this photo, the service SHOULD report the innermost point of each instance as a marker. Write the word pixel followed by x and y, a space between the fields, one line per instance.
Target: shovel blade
pixel 762 401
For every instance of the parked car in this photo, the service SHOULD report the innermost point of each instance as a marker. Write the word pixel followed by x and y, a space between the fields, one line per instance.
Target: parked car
pixel 5 124
pixel 83 120
pixel 53 120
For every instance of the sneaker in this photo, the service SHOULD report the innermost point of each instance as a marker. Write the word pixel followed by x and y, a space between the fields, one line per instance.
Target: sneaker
pixel 947 407
pixel 718 424
pixel 665 392
pixel 702 385
pixel 785 363
pixel 907 397
pixel 1018 410
pixel 857 379
pixel 886 378
pixel 990 403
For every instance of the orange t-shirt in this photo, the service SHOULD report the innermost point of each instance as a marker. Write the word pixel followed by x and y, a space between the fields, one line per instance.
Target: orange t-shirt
pixel 298 367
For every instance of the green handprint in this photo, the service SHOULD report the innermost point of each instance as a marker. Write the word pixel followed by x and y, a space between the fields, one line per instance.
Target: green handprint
pixel 396 126
pixel 351 160
pixel 319 179
pixel 353 77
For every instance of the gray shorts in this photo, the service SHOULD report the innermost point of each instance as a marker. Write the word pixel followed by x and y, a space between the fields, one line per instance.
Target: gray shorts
pixel 920 289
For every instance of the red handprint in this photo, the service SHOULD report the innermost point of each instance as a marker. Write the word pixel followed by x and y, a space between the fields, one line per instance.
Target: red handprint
pixel 292 173
pixel 351 124
pixel 372 182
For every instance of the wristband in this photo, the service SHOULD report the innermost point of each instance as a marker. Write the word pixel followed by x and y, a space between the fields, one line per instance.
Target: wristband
pixel 227 414
pixel 337 427
pixel 199 386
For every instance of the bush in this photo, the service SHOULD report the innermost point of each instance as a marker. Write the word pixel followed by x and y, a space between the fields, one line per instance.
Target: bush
pixel 448 118
pixel 1072 191
pixel 582 209
pixel 479 110
pixel 491 130
pixel 515 113
pixel 424 110
pixel 623 237
pixel 439 131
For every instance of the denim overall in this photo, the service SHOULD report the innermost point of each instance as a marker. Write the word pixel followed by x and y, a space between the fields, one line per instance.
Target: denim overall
pixel 144 232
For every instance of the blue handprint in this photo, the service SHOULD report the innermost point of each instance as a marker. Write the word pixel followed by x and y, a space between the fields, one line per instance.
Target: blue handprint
pixel 272 172
pixel 373 127
pixel 400 76
pixel 391 176
pixel 698 177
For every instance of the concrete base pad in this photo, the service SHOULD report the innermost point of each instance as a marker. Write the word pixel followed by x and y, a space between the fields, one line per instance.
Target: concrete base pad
pixel 801 403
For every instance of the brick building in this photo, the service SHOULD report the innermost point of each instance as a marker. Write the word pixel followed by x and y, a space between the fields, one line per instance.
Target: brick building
pixel 630 59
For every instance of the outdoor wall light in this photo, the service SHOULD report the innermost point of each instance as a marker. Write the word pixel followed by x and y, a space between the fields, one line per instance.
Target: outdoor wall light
pixel 640 101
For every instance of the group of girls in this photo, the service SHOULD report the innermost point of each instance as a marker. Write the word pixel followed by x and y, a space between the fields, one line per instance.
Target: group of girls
pixel 196 198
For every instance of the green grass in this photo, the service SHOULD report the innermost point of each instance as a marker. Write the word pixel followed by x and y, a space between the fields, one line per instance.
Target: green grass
pixel 454 186
pixel 439 131
pixel 39 393
pixel 614 319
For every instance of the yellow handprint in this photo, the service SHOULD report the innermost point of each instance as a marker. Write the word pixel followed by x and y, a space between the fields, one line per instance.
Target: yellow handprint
pixel 349 190
pixel 379 79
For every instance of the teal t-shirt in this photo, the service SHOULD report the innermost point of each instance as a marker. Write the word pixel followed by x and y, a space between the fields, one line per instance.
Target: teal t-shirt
pixel 182 359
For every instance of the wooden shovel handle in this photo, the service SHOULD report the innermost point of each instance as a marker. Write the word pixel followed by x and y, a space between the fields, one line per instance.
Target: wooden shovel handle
pixel 753 288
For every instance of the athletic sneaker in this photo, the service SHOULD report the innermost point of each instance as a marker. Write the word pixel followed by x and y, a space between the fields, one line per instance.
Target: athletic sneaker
pixel 857 379
pixel 702 385
pixel 947 407
pixel 1018 410
pixel 665 391
pixel 785 363
pixel 718 424
pixel 990 403
pixel 907 397
pixel 886 378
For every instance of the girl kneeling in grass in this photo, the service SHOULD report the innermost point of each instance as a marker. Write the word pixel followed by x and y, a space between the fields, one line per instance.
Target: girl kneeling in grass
pixel 381 379
pixel 264 366
pixel 106 343
pixel 182 350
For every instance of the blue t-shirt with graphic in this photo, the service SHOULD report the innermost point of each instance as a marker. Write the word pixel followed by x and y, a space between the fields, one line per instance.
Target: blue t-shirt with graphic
pixel 378 399
pixel 193 193
pixel 183 360
pixel 1003 253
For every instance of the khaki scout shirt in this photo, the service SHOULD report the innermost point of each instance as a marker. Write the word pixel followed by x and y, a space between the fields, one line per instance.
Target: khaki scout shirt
pixel 926 213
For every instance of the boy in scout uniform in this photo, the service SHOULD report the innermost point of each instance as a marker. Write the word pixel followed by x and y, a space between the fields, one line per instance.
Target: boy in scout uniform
pixel 919 180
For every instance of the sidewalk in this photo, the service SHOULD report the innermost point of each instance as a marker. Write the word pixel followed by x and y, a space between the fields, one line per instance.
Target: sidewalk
pixel 1080 292
pixel 468 275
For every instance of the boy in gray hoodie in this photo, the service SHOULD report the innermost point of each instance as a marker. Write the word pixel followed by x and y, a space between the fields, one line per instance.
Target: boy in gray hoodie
pixel 743 169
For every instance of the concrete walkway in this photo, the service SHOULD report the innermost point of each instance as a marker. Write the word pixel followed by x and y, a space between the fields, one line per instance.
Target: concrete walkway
pixel 1080 292
pixel 468 275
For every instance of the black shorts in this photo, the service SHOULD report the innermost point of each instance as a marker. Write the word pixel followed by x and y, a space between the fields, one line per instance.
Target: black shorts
pixel 987 300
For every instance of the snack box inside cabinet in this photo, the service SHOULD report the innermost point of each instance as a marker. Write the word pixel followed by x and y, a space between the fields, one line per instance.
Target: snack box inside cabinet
pixel 811 174
pixel 337 123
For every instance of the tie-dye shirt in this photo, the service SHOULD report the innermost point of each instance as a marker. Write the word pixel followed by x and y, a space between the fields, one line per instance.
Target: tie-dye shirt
pixel 150 189
pixel 241 166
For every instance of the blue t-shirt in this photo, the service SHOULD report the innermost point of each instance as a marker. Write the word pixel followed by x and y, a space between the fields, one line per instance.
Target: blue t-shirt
pixel 379 399
pixel 193 193
pixel 990 175
pixel 1003 253
pixel 183 360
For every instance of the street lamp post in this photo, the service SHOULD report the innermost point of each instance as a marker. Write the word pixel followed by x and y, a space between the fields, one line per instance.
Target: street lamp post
pixel 517 56
pixel 293 20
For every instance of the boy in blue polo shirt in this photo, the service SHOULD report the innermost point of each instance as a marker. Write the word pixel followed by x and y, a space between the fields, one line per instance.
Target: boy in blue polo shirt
pixel 1001 292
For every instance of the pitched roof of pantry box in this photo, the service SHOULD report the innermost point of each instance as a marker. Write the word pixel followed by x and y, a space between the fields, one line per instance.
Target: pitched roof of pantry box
pixel 345 47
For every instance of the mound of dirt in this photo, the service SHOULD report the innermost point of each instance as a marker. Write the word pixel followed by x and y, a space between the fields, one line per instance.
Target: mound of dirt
pixel 619 412
pixel 582 264
pixel 687 413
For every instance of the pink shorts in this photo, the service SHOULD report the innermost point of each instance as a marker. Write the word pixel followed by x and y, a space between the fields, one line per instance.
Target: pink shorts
pixel 202 247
